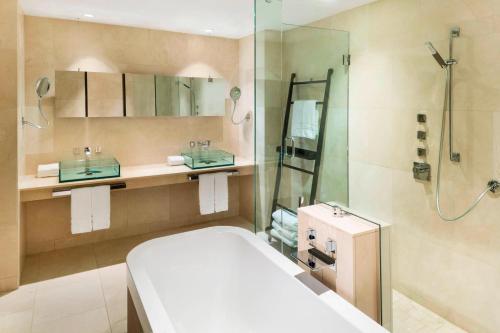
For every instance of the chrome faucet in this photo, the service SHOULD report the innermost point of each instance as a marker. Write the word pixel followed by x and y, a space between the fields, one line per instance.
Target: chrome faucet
pixel 88 152
pixel 204 145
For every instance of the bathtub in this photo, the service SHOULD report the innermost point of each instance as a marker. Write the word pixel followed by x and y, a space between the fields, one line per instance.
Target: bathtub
pixel 226 280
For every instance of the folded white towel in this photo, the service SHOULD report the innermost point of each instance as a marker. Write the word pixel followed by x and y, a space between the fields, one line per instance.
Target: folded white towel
pixel 286 219
pixel 175 160
pixel 291 235
pixel 305 119
pixel 48 170
pixel 81 210
pixel 285 240
pixel 101 207
pixel 206 188
pixel 221 194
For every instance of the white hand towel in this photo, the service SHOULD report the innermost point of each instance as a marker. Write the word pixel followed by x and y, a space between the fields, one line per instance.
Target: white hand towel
pixel 292 235
pixel 206 190
pixel 305 120
pixel 285 240
pixel 101 207
pixel 81 210
pixel 48 170
pixel 175 160
pixel 221 192
pixel 286 219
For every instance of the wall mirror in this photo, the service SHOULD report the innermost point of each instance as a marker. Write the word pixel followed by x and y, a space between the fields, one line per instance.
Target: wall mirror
pixel 70 99
pixel 86 94
pixel 105 95
pixel 140 95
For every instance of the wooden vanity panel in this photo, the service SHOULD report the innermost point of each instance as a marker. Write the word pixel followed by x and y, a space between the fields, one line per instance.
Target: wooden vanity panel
pixel 357 276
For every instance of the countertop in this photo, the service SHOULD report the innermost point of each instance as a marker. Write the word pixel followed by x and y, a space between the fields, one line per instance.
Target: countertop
pixel 31 182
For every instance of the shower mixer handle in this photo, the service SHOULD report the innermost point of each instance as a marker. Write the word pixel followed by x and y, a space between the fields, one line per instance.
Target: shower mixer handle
pixel 494 185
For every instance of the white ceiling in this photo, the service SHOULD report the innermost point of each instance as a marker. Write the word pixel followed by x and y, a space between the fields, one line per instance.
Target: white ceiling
pixel 224 18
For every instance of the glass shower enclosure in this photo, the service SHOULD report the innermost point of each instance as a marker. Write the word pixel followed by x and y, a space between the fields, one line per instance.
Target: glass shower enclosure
pixel 300 159
pixel 301 129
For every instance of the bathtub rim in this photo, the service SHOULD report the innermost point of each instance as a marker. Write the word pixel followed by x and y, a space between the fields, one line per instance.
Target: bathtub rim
pixel 154 318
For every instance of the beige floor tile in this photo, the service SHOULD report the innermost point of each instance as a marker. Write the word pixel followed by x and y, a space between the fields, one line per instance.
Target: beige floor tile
pixel 95 321
pixel 114 286
pixel 411 317
pixel 19 322
pixel 119 327
pixel 88 278
pixel 19 300
pixel 68 299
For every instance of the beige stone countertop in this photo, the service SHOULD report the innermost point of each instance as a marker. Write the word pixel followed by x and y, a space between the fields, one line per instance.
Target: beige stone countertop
pixel 31 182
pixel 351 224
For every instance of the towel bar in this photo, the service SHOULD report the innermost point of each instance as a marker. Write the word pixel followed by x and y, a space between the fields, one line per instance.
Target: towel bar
pixel 67 192
pixel 229 172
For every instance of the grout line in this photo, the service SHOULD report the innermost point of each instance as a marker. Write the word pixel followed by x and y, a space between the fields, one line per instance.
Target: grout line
pixel 102 289
pixel 33 309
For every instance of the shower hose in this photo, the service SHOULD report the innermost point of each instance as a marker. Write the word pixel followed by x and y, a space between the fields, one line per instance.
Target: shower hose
pixel 232 116
pixel 492 185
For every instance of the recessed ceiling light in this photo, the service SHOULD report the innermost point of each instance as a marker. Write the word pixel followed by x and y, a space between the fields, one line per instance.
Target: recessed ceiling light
pixel 209 31
pixel 88 15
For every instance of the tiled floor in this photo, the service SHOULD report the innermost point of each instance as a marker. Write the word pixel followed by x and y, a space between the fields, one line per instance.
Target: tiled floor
pixel 83 290
pixel 77 290
pixel 411 317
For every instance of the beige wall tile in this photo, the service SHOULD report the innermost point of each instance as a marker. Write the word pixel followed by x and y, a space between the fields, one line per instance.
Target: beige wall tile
pixel 149 205
pixel 47 220
pixel 9 196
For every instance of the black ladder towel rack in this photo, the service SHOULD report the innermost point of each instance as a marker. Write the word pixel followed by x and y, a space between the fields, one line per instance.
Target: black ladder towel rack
pixel 299 152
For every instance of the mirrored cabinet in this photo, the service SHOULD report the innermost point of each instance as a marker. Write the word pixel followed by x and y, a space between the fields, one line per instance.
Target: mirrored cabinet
pixel 140 95
pixel 167 96
pixel 105 95
pixel 88 94
pixel 70 101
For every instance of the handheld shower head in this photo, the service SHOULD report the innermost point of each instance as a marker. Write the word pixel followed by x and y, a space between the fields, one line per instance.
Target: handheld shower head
pixel 436 55
pixel 235 94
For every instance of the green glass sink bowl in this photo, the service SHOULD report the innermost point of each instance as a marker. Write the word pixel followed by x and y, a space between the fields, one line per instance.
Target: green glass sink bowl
pixel 95 167
pixel 202 159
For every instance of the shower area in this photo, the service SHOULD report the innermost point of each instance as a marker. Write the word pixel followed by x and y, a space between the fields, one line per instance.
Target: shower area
pixel 410 139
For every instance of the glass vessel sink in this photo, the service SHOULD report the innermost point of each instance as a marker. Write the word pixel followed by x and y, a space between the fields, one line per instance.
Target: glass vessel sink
pixel 97 166
pixel 202 159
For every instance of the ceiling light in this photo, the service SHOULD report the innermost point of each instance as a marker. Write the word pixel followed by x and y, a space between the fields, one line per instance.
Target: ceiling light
pixel 209 31
pixel 88 15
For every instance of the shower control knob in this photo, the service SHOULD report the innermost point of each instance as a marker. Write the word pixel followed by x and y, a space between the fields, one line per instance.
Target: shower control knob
pixel 421 118
pixel 311 234
pixel 421 152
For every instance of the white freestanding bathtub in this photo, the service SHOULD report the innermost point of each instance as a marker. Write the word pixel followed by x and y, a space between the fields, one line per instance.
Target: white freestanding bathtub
pixel 226 280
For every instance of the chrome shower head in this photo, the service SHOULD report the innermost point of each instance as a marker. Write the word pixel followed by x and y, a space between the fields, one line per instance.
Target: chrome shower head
pixel 436 55
pixel 235 94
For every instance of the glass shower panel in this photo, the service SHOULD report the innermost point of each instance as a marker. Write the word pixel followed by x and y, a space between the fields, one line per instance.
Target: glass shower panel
pixel 309 53
pixel 285 161
pixel 268 107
